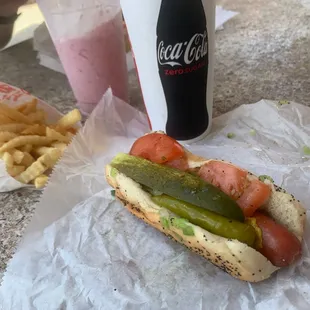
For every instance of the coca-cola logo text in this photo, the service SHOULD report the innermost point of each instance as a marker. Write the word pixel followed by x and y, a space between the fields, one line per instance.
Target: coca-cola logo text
pixel 190 51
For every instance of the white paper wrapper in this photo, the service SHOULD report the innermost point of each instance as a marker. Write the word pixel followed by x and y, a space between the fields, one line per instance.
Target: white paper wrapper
pixel 83 250
pixel 14 96
pixel 24 27
pixel 222 16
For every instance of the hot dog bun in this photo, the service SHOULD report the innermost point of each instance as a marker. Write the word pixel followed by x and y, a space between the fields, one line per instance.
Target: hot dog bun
pixel 232 256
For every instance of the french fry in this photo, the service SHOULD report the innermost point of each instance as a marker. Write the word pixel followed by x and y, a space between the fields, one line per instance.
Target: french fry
pixel 5 120
pixel 54 135
pixel 7 136
pixel 28 107
pixel 27 160
pixel 42 164
pixel 8 159
pixel 70 119
pixel 23 140
pixel 70 136
pixel 15 170
pixel 40 181
pixel 63 130
pixel 72 130
pixel 28 145
pixel 13 127
pixel 36 169
pixel 59 129
pixel 41 150
pixel 37 117
pixel 59 145
pixel 36 129
pixel 18 155
pixel 26 148
pixel 14 114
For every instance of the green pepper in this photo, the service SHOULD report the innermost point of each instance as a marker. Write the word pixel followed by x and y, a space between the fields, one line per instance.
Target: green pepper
pixel 230 135
pixel 264 177
pixel 210 221
pixel 306 150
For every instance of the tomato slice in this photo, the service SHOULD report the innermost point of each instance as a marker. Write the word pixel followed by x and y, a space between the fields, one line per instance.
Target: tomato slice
pixel 180 164
pixel 254 196
pixel 158 148
pixel 227 177
pixel 280 246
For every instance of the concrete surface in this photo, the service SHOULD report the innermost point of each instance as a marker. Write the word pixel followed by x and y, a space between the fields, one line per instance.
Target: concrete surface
pixel 261 53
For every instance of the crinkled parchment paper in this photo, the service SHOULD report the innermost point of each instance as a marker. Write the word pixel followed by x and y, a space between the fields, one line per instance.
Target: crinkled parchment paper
pixel 14 96
pixel 83 250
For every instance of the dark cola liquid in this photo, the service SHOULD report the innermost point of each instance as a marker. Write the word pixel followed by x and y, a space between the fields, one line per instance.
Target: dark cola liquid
pixel 182 55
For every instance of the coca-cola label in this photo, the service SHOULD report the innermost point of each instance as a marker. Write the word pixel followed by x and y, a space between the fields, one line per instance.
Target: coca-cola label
pixel 182 59
pixel 183 53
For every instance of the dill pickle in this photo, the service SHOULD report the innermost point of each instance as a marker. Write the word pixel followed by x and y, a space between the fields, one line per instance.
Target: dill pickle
pixel 178 184
pixel 210 221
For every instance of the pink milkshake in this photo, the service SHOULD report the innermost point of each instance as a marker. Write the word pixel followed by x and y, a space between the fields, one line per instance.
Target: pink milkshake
pixel 95 61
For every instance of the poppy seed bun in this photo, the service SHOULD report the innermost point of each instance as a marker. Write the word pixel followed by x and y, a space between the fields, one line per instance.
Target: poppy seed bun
pixel 232 256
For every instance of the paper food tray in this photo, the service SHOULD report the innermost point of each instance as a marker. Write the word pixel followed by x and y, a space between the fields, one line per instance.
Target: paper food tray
pixel 14 96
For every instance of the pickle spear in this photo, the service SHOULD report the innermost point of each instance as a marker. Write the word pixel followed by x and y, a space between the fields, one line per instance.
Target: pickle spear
pixel 178 184
pixel 210 221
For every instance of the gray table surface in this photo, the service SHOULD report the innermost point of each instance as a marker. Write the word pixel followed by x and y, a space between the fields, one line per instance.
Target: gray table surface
pixel 264 52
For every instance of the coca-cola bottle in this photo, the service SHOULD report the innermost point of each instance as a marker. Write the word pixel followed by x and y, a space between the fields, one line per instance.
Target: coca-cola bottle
pixel 182 56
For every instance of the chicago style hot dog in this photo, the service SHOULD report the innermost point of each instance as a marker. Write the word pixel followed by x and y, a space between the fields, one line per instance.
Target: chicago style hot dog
pixel 241 223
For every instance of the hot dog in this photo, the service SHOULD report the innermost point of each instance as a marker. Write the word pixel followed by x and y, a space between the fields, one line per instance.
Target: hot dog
pixel 241 223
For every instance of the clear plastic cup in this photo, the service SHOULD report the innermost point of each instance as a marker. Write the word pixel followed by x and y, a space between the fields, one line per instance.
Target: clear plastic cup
pixel 89 39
